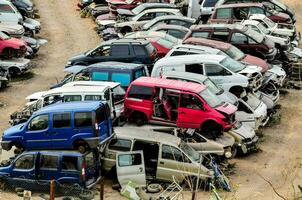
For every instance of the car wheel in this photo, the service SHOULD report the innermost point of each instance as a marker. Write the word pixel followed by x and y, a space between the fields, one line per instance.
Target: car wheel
pixel 139 119
pixel 86 195
pixel 2 185
pixel 81 148
pixel 8 53
pixel 154 188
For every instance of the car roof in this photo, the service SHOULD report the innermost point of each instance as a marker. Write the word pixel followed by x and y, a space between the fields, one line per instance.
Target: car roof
pixel 115 65
pixel 92 83
pixel 167 17
pixel 86 106
pixel 171 10
pixel 170 26
pixel 207 42
pixel 59 152
pixel 194 48
pixel 169 84
pixel 240 5
pixel 185 59
pixel 217 26
pixel 251 22
pixel 185 75
pixel 146 135
pixel 77 89
pixel 157 5
pixel 126 41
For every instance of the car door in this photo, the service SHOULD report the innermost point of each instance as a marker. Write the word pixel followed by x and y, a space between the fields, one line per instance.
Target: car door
pixel 37 133
pixel 190 111
pixel 244 114
pixel 240 40
pixel 219 75
pixel 61 129
pixel 49 166
pixel 122 53
pixel 99 54
pixel 23 172
pixel 83 124
pixel 130 166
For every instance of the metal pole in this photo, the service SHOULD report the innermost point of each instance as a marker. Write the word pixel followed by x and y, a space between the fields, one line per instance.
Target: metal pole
pixel 197 181
pixel 52 190
pixel 102 188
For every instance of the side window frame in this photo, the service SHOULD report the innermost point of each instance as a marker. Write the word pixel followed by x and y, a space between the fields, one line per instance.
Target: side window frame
pixel 28 129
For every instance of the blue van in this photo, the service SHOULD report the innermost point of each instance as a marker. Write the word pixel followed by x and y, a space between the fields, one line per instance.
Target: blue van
pixel 123 73
pixel 76 125
pixel 33 170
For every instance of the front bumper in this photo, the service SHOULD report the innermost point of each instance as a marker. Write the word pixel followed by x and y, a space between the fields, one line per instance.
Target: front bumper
pixel 249 144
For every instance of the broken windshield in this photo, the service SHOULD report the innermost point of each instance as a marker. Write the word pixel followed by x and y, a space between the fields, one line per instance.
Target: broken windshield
pixel 189 151
pixel 211 99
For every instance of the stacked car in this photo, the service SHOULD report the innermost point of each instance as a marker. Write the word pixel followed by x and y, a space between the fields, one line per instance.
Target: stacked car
pixel 18 30
pixel 195 88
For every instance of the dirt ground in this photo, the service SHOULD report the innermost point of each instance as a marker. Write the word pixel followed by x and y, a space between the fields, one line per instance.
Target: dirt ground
pixel 280 159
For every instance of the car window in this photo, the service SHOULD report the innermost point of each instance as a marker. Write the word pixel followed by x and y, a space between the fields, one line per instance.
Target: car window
pixel 120 50
pixel 198 34
pixel 5 8
pixel 194 68
pixel 191 102
pixel 100 114
pixel 139 50
pixel 180 23
pixel 139 73
pixel 172 153
pixel 241 13
pixel 209 3
pixel 147 16
pixel 49 162
pixel 61 120
pixel 222 36
pixel 158 14
pixel 176 33
pixel 256 10
pixel 70 98
pixel 224 13
pixel 101 51
pixel 122 78
pixel 243 107
pixel 100 76
pixel 70 163
pixel 82 119
pixel 214 70
pixel 25 162
pixel 38 123
pixel 239 38
pixel 140 92
pixel 129 159
pixel 93 98
pixel 120 145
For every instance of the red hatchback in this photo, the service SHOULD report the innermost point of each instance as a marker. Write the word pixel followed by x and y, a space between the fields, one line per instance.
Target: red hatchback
pixel 172 102
pixel 11 47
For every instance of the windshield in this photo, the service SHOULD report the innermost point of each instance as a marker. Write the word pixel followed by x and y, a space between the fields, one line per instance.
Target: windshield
pixel 189 151
pixel 255 35
pixel 221 53
pixel 232 65
pixel 3 36
pixel 263 29
pixel 138 9
pixel 165 43
pixel 209 3
pixel 212 87
pixel 269 22
pixel 253 101
pixel 211 99
pixel 235 53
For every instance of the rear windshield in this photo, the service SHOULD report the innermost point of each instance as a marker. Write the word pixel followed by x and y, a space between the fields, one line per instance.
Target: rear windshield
pixel 140 92
pixel 209 3
pixel 122 78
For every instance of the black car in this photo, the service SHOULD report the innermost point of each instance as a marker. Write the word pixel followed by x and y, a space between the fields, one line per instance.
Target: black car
pixel 25 7
pixel 120 50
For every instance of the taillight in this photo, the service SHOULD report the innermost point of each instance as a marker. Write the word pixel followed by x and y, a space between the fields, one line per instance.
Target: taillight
pixel 83 173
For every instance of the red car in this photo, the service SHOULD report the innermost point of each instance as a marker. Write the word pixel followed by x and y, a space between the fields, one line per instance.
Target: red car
pixel 231 51
pixel 172 102
pixel 11 47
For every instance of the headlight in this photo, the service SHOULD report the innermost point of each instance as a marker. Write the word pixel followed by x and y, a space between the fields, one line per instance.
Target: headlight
pixel 68 62
pixel 228 154
pixel 29 8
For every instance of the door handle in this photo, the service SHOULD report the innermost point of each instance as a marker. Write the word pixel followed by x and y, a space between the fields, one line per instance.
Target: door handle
pixel 140 169
pixel 161 162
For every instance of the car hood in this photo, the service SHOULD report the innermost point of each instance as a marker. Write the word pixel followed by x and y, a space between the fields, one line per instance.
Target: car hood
pixel 35 96
pixel 253 60
pixel 227 108
pixel 14 130
pixel 16 41
pixel 76 57
pixel 228 97
pixel 244 131
pixel 225 140
pixel 125 12
pixel 11 28
pixel 250 69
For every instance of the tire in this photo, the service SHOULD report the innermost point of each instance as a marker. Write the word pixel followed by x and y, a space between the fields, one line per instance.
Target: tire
pixel 86 195
pixel 125 30
pixel 139 119
pixel 82 149
pixel 154 188
pixel 211 129
pixel 81 146
pixel 8 53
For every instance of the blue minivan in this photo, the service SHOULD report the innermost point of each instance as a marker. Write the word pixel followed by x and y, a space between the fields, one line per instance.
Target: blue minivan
pixel 75 125
pixel 123 73
pixel 33 170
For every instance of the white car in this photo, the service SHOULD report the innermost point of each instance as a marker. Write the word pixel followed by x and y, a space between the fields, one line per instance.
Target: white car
pixel 276 28
pixel 251 111
pixel 227 73
pixel 9 13
pixel 281 42
pixel 136 22
pixel 16 65
pixel 207 8
pixel 13 30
